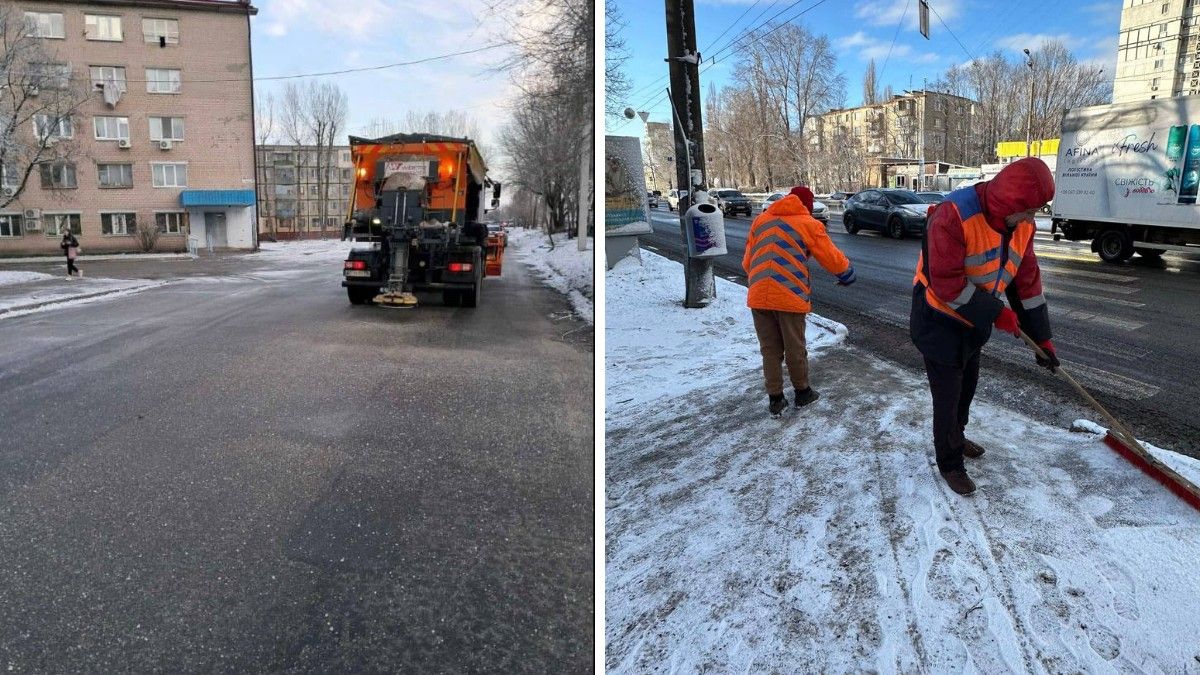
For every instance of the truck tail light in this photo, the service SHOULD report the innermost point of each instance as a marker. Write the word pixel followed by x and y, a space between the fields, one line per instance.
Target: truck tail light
pixel 455 267
pixel 356 264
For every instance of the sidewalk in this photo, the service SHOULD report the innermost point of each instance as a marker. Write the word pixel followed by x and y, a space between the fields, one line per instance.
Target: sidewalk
pixel 740 543
pixel 28 287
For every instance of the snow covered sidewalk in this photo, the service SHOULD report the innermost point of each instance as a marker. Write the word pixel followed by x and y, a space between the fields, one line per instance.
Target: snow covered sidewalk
pixel 564 268
pixel 24 292
pixel 827 542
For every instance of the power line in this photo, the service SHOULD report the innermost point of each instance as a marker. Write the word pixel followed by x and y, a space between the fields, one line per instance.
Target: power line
pixel 895 35
pixel 399 64
pixel 730 27
pixel 960 44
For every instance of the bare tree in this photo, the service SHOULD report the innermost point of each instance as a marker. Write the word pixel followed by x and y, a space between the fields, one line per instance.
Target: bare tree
pixel 870 85
pixel 39 104
pixel 616 82
pixel 264 130
pixel 314 114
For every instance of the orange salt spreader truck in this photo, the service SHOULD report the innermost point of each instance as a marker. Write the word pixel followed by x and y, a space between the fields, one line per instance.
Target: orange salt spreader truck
pixel 416 220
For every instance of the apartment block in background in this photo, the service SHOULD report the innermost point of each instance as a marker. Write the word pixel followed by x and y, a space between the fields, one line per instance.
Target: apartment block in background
pixel 170 143
pixel 289 197
pixel 1158 50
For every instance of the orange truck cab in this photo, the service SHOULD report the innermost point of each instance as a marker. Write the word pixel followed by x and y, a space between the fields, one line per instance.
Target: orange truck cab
pixel 416 217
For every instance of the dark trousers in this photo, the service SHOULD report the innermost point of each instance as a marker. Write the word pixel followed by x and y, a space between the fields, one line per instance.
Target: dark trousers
pixel 952 388
pixel 71 268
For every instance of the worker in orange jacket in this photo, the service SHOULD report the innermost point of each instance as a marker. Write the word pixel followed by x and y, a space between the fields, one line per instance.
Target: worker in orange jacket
pixel 977 252
pixel 780 242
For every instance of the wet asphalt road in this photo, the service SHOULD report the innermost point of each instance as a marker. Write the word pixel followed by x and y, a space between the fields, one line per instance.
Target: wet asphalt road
pixel 246 473
pixel 1130 333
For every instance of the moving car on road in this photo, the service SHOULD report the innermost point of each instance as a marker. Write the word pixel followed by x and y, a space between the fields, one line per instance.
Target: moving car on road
pixel 673 199
pixel 893 212
pixel 652 200
pixel 820 211
pixel 731 202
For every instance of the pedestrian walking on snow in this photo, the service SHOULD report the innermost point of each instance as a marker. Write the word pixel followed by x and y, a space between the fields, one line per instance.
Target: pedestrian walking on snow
pixel 978 249
pixel 778 247
pixel 70 246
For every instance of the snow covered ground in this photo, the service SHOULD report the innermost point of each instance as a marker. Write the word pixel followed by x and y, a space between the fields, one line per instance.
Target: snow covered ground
pixel 36 291
pixel 566 269
pixel 827 542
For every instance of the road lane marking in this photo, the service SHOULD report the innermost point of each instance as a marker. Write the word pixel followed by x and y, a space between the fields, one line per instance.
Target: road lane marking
pixel 1102 276
pixel 1083 315
pixel 1123 290
pixel 1060 293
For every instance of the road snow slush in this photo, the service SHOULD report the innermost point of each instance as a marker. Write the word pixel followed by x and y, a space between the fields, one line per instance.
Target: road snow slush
pixel 831 544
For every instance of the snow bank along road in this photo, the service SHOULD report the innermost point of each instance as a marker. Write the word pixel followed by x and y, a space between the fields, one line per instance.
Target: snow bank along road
pixel 1130 333
pixel 827 543
pixel 245 473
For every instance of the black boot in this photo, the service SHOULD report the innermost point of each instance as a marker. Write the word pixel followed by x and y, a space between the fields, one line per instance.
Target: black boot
pixel 806 396
pixel 777 404
pixel 959 481
pixel 972 449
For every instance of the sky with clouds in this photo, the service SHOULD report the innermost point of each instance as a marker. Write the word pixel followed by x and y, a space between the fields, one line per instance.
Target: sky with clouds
pixel 307 36
pixel 863 29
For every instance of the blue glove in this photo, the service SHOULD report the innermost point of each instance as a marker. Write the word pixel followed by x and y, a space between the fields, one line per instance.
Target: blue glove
pixel 846 278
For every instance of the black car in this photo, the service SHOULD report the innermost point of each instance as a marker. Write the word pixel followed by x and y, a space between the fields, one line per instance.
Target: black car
pixel 732 202
pixel 932 197
pixel 892 212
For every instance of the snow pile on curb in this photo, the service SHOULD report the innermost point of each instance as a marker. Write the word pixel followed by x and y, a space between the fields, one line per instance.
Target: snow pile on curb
pixel 72 294
pixel 654 347
pixel 566 269
pixel 1185 466
pixel 304 250
pixel 827 541
pixel 9 278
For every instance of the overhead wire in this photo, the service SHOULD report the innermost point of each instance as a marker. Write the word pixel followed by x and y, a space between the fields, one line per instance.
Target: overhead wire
pixel 899 25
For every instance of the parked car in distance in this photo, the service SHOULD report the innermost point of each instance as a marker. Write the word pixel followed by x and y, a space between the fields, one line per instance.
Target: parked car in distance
pixel 932 197
pixel 731 202
pixel 770 199
pixel 820 211
pixel 893 212
pixel 673 199
pixel 652 200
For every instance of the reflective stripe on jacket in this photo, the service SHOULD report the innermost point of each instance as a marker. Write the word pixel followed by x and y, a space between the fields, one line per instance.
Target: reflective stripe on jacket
pixel 780 243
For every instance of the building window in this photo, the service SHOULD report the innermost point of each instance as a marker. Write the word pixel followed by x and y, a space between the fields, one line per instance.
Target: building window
pixel 44 25
pixel 58 176
pixel 161 31
pixel 1154 84
pixel 1166 7
pixel 102 27
pixel 345 190
pixel 172 222
pixel 115 175
pixel 169 175
pixel 163 81
pixel 55 224
pixel 166 128
pixel 118 224
pixel 1158 64
pixel 50 128
pixel 8 177
pixel 50 75
pixel 102 74
pixel 111 128
pixel 10 225
pixel 1162 29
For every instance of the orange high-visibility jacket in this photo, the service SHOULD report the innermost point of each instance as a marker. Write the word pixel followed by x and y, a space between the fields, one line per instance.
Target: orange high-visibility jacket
pixel 781 241
pixel 986 270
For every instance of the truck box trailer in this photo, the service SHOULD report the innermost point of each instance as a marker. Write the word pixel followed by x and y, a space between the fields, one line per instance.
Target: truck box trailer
pixel 1127 178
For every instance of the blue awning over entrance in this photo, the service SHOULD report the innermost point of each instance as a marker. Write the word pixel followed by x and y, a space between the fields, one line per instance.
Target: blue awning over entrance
pixel 216 198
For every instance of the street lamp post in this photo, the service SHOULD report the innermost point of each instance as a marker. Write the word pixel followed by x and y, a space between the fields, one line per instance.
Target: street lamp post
pixel 1029 119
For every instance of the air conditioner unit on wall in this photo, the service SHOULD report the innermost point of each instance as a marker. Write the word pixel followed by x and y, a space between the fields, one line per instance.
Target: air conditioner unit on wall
pixel 123 143
pixel 164 145
pixel 8 191
pixel 33 219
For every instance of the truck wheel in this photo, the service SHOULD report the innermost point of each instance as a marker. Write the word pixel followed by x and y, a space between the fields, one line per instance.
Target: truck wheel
pixel 359 295
pixel 1114 246
pixel 851 226
pixel 470 297
pixel 895 228
pixel 452 298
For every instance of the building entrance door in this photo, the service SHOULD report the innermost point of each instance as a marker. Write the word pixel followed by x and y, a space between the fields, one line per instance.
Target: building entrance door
pixel 214 230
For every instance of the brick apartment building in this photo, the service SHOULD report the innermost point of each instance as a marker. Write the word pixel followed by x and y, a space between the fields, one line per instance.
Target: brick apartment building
pixel 289 193
pixel 176 148
pixel 1158 50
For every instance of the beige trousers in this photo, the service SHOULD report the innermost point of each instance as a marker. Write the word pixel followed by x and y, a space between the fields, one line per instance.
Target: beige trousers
pixel 780 339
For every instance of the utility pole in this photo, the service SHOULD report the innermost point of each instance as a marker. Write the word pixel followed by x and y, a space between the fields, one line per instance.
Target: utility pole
pixel 684 65
pixel 924 111
pixel 1029 119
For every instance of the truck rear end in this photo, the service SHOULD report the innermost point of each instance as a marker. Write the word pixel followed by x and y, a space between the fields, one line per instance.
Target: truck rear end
pixel 1127 178
pixel 416 220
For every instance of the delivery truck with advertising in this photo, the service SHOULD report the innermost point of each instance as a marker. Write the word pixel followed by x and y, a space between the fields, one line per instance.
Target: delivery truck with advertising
pixel 1128 178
